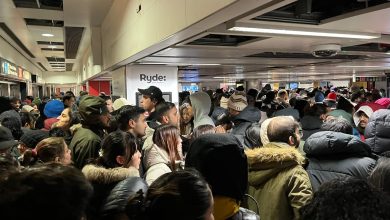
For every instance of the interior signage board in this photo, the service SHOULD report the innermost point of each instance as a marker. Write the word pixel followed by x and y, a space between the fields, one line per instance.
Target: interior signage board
pixel 143 76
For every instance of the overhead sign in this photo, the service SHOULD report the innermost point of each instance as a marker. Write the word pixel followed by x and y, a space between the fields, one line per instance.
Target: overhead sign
pixel 143 76
pixel 370 79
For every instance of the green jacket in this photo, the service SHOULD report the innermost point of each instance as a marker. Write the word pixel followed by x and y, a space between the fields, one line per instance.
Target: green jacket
pixel 85 145
pixel 277 181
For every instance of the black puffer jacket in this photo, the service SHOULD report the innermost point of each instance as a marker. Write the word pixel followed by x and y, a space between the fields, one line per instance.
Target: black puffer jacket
pixel 336 155
pixel 243 120
pixel 377 132
pixel 116 201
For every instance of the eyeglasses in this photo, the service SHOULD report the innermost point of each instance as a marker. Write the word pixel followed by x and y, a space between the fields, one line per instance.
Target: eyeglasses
pixel 300 132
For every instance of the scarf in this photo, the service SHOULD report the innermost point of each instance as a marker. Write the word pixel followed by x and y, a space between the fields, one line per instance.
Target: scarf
pixel 224 207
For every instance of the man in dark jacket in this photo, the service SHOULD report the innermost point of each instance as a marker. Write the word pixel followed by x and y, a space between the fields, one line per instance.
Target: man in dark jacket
pixel 241 115
pixel 377 132
pixel 151 97
pixel 336 153
pixel 86 140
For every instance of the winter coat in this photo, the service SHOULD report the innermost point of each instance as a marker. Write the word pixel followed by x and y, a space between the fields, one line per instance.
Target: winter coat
pixel 377 132
pixel 336 155
pixel 243 121
pixel 84 145
pixel 201 105
pixel 341 113
pixel 288 112
pixel 310 125
pixel 103 181
pixel 116 201
pixel 278 181
pixel 156 162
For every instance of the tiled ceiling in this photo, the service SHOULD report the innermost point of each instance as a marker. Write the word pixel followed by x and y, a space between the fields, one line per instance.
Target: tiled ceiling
pixel 51 32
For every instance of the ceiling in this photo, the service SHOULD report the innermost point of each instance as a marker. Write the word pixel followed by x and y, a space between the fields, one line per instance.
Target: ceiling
pixel 52 34
pixel 222 54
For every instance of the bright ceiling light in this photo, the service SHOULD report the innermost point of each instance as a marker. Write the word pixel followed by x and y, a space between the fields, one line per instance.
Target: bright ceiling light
pixel 204 64
pixel 361 66
pixel 52 46
pixel 47 35
pixel 303 33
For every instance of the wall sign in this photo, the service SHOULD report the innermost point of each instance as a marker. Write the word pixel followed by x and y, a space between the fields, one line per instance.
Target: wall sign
pixel 143 76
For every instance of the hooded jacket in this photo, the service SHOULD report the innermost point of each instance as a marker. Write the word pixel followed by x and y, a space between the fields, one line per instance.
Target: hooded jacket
pixel 85 144
pixel 201 105
pixel 278 181
pixel 103 181
pixel 336 155
pixel 377 131
pixel 243 120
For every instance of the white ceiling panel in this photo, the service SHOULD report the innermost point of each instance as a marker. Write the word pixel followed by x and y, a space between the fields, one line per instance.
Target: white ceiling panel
pixel 40 14
pixel 37 31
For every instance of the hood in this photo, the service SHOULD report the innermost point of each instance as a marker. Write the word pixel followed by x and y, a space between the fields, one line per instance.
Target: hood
pixel 101 175
pixel 201 105
pixel 266 162
pixel 377 132
pixel 155 155
pixel 368 109
pixel 309 122
pixel 249 114
pixel 335 144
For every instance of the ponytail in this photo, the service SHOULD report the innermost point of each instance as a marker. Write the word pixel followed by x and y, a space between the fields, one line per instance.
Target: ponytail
pixel 30 157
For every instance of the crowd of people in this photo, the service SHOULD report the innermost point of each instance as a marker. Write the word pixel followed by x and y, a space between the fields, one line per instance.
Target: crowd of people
pixel 319 153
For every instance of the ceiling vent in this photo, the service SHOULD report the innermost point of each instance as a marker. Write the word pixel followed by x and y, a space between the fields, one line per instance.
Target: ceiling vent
pixel 223 40
pixel 326 50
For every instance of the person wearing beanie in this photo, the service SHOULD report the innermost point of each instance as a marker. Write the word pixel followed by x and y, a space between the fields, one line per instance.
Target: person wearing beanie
pixel 362 116
pixel 86 141
pixel 241 115
pixel 52 110
pixel 221 160
pixel 277 179
pixel 29 140
pixel 201 105
pixel 118 103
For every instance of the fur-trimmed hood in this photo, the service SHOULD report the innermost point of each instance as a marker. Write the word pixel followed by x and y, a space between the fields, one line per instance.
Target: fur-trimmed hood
pixel 101 175
pixel 265 162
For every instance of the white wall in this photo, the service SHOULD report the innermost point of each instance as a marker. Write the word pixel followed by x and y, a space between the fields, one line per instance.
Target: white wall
pixel 68 77
pixel 163 77
pixel 11 54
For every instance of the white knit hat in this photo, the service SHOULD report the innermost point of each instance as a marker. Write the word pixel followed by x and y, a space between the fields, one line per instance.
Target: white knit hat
pixel 237 101
pixel 119 103
pixel 224 102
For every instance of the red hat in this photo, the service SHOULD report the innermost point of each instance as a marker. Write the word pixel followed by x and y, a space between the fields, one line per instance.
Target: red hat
pixel 383 102
pixel 332 96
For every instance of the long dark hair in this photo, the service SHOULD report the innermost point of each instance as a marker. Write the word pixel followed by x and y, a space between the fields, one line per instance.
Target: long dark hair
pixel 117 143
pixel 380 176
pixel 167 138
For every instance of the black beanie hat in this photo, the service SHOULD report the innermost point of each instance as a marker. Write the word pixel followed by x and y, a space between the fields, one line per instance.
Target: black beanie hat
pixel 32 137
pixel 220 158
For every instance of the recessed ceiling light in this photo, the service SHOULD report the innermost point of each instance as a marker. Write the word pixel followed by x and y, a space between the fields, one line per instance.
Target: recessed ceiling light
pixel 48 35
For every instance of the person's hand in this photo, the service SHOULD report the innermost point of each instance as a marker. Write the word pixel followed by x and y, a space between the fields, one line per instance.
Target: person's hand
pixel 220 129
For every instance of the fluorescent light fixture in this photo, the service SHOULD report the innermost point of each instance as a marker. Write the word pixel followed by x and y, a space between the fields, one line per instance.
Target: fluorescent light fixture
pixel 47 35
pixel 204 64
pixel 303 33
pixel 52 46
pixel 361 66
pixel 182 64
